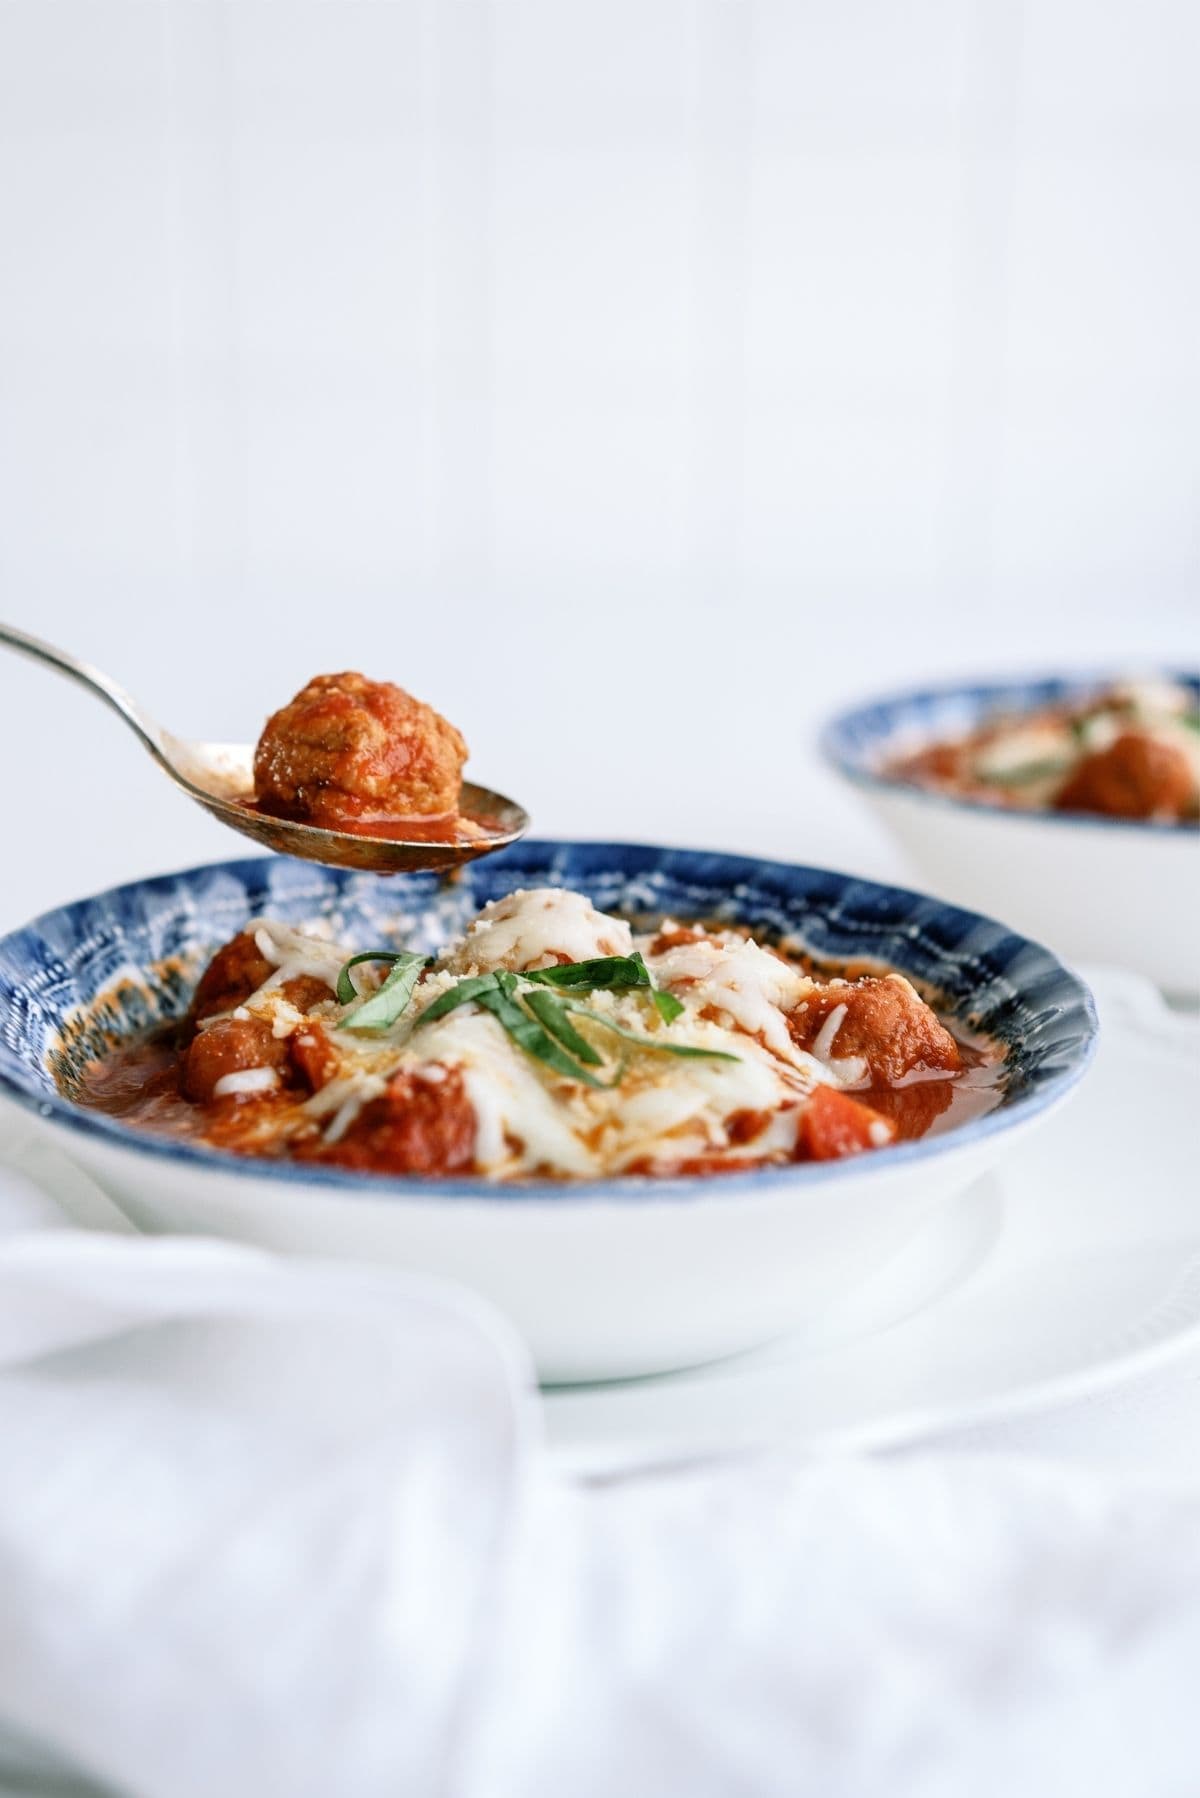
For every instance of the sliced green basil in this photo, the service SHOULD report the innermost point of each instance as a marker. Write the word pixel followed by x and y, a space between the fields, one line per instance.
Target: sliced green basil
pixel 666 1005
pixel 649 1042
pixel 1024 774
pixel 551 1013
pixel 529 1035
pixel 600 973
pixel 382 1009
pixel 461 994
pixel 347 992
pixel 538 1023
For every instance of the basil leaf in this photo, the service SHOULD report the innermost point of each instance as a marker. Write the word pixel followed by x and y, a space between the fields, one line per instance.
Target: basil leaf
pixel 494 993
pixel 666 1005
pixel 552 1014
pixel 649 1042
pixel 383 1007
pixel 1023 774
pixel 601 972
pixel 462 994
pixel 545 1032
pixel 610 972
pixel 347 992
pixel 529 1035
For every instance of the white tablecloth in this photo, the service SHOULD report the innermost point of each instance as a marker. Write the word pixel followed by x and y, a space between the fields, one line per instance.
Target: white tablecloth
pixel 278 1527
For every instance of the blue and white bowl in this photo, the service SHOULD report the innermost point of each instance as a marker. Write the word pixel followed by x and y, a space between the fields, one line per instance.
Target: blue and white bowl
pixel 1108 891
pixel 605 1278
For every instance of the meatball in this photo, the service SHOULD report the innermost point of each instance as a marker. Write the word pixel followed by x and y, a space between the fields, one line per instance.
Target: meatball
pixel 347 748
pixel 1136 777
pixel 423 1124
pixel 230 1046
pixel 885 1021
pixel 234 972
pixel 306 990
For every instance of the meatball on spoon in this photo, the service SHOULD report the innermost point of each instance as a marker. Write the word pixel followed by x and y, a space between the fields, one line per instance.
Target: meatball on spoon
pixel 353 772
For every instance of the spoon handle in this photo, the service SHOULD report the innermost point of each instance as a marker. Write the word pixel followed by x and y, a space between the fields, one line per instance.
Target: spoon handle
pixel 87 676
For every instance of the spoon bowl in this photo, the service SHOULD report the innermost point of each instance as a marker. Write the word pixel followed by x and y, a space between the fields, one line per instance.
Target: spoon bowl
pixel 220 777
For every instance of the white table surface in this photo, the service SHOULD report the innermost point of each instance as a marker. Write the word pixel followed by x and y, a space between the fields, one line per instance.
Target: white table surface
pixel 625 1535
pixel 1141 1422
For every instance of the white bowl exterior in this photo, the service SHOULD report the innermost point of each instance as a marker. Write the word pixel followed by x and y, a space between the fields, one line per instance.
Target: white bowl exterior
pixel 602 1283
pixel 599 1289
pixel 1091 892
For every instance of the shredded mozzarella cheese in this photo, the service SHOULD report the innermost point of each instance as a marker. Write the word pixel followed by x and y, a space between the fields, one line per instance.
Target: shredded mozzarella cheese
pixel 295 952
pixel 826 1036
pixel 753 986
pixel 529 1118
pixel 535 929
pixel 246 1080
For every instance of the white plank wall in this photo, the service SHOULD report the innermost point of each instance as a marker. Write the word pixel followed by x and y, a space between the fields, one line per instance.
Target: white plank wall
pixel 597 370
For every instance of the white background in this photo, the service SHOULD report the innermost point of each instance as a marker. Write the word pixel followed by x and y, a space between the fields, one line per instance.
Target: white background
pixel 635 381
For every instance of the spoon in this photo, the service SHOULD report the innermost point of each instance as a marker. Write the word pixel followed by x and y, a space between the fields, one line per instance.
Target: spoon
pixel 220 777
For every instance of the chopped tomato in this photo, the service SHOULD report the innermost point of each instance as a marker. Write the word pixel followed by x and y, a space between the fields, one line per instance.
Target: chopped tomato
pixel 833 1124
pixel 913 1109
pixel 313 1056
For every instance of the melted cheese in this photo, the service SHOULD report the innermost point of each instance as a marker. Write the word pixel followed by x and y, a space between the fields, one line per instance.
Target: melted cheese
pixel 677 1106
pixel 536 929
pixel 295 952
pixel 340 1100
pixel 520 1124
pixel 823 1045
pixel 753 987
pixel 1023 746
pixel 529 1118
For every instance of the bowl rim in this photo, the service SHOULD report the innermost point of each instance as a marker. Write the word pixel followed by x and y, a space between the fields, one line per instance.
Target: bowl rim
pixel 845 739
pixel 53 1108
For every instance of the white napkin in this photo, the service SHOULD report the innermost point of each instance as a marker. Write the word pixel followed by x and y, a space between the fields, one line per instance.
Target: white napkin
pixel 287 1528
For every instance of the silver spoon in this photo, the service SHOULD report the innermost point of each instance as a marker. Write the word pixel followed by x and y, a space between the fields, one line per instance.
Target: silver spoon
pixel 219 776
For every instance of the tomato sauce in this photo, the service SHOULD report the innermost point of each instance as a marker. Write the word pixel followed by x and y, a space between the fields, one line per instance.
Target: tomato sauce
pixel 223 1076
pixel 457 828
pixel 141 1083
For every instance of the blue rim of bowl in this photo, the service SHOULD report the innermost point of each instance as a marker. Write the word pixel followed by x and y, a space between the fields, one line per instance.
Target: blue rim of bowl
pixel 53 1107
pixel 853 740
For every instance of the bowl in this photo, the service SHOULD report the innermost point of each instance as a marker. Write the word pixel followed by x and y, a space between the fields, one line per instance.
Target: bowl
pixel 604 1279
pixel 1109 891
